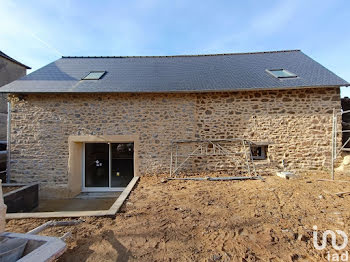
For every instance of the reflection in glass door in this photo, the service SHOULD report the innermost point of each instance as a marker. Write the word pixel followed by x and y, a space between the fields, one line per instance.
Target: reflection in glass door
pixel 122 164
pixel 107 166
pixel 96 165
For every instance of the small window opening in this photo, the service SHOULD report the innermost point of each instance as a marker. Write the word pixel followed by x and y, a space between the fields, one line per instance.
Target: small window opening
pixel 94 75
pixel 281 73
pixel 259 152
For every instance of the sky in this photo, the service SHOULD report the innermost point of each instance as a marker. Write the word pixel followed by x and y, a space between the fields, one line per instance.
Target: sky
pixel 38 32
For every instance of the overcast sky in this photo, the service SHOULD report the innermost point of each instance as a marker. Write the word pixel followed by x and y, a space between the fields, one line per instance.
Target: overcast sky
pixel 41 31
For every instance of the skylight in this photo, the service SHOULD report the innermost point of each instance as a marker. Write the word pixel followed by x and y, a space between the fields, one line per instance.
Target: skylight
pixel 281 73
pixel 94 75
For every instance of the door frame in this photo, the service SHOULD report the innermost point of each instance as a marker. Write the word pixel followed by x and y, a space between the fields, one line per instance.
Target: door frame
pixel 76 160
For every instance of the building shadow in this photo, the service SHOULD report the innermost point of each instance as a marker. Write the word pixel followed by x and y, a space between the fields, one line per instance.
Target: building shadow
pixel 85 250
pixel 123 253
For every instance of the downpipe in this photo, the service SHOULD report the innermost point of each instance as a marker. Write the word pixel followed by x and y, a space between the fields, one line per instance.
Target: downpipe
pixel 8 164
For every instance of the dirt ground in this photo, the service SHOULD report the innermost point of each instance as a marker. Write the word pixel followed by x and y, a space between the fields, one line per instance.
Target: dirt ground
pixel 212 221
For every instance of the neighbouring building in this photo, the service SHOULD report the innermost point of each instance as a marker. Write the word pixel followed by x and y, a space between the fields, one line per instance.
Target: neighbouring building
pixel 10 70
pixel 92 123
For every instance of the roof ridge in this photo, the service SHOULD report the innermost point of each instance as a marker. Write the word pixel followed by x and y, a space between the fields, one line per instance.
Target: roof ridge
pixel 167 56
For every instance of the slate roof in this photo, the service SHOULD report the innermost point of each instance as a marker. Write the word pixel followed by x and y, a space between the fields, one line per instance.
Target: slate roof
pixel 13 60
pixel 187 73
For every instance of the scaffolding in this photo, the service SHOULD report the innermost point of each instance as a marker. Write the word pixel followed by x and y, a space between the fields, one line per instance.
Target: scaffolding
pixel 212 148
pixel 335 151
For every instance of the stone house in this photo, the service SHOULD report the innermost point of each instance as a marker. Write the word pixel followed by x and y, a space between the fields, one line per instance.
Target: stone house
pixel 10 70
pixel 92 123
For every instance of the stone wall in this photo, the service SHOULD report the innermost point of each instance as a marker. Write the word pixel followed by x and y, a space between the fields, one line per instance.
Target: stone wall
pixel 296 124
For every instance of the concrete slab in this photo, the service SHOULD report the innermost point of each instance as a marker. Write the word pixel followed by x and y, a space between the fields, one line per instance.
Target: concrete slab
pixel 39 248
pixel 123 196
pixel 110 212
pixel 96 195
pixel 67 204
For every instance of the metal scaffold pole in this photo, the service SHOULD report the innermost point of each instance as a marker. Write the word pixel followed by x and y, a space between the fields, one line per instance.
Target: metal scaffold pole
pixel 210 148
pixel 332 144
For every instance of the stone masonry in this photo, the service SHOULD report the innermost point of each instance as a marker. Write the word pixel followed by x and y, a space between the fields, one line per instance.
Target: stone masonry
pixel 296 124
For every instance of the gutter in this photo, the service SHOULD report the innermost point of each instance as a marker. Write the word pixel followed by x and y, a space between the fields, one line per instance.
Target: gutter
pixel 97 91
pixel 8 166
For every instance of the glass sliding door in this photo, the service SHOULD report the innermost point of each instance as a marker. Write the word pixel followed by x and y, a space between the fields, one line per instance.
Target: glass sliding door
pixel 96 165
pixel 122 164
pixel 107 166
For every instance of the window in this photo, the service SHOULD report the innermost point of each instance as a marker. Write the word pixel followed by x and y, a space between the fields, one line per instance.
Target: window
pixel 281 73
pixel 259 152
pixel 94 75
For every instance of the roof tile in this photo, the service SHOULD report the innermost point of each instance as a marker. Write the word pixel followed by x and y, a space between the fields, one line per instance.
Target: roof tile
pixel 185 73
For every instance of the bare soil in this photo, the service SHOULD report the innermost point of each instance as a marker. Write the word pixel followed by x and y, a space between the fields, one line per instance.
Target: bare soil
pixel 212 221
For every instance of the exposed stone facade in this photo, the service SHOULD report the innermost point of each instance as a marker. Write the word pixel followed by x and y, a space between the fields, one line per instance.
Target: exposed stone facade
pixel 296 123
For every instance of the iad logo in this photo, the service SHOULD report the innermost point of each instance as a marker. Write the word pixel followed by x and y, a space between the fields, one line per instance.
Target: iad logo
pixel 335 256
pixel 334 239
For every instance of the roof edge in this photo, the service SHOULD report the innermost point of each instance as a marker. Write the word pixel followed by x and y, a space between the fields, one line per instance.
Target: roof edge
pixel 167 56
pixel 183 91
pixel 3 55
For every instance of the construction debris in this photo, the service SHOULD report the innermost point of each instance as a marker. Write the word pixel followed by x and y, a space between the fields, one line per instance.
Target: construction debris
pixel 341 194
pixel 66 236
pixel 30 247
pixel 330 180
pixel 216 178
pixel 345 165
pixel 55 224
pixel 286 175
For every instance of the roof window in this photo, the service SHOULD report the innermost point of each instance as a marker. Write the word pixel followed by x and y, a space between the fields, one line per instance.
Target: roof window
pixel 94 75
pixel 281 73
